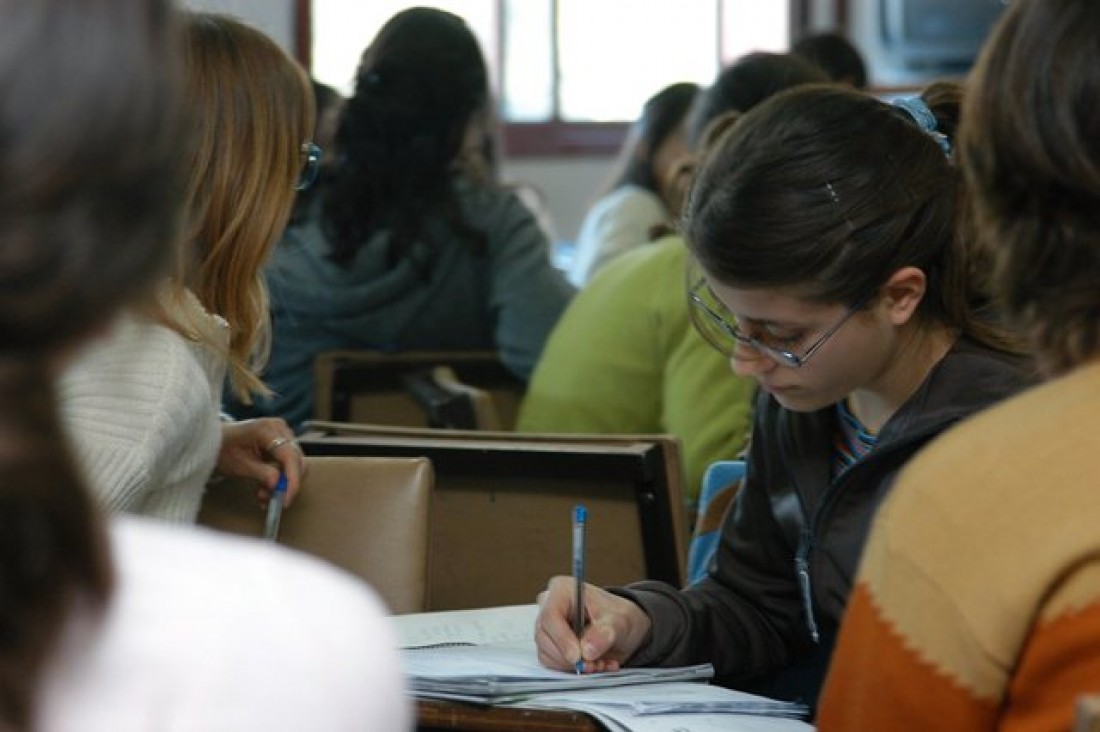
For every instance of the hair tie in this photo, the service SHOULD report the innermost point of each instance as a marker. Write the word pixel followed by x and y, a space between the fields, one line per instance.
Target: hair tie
pixel 918 111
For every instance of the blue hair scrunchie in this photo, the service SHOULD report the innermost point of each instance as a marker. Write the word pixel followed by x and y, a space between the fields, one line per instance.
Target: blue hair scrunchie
pixel 916 108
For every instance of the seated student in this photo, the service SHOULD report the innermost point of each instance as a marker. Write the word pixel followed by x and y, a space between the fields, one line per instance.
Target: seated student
pixel 642 193
pixel 406 248
pixel 977 605
pixel 624 357
pixel 835 55
pixel 133 624
pixel 142 406
pixel 831 273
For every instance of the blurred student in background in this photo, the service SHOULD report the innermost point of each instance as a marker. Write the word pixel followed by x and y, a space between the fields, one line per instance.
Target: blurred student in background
pixel 643 194
pixel 624 358
pixel 405 248
pixel 977 605
pixel 836 56
pixel 133 624
pixel 143 405
pixel 832 272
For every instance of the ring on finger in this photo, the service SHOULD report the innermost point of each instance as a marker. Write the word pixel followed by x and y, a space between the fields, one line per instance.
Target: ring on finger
pixel 276 444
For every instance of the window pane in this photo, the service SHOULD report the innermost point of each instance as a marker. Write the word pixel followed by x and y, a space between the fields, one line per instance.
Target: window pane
pixel 343 28
pixel 528 75
pixel 614 55
pixel 752 25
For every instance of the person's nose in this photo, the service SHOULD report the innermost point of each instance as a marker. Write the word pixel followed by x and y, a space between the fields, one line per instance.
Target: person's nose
pixel 748 362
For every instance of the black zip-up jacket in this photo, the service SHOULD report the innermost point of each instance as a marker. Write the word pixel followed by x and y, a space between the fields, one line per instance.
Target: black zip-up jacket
pixel 767 614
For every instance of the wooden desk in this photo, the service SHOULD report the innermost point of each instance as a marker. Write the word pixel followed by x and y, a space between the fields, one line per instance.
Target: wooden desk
pixel 432 715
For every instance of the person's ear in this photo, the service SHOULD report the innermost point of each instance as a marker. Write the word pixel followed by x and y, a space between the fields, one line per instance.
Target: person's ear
pixel 902 294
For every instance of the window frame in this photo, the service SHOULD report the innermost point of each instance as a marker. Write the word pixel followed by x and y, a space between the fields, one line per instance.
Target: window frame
pixel 557 138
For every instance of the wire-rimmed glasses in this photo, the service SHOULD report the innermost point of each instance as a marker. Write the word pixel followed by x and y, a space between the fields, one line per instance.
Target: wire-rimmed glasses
pixel 311 165
pixel 720 329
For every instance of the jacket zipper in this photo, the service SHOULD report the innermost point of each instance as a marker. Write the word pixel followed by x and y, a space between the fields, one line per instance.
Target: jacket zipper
pixel 808 532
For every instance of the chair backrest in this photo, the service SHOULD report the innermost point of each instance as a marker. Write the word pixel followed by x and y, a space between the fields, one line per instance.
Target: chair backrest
pixel 502 506
pixel 368 516
pixel 721 482
pixel 381 388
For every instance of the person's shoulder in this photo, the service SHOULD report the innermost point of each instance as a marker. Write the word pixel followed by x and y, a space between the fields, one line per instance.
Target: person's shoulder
pixel 631 199
pixel 202 612
pixel 1011 445
pixel 972 356
pixel 972 377
pixel 274 572
pixel 487 200
pixel 140 364
pixel 663 259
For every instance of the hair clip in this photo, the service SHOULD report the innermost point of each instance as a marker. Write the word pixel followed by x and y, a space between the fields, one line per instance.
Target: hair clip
pixel 918 111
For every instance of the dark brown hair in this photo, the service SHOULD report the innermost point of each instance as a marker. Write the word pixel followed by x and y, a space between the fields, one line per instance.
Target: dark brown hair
pixel 746 82
pixel 90 160
pixel 662 115
pixel 830 190
pixel 836 55
pixel 419 83
pixel 1030 148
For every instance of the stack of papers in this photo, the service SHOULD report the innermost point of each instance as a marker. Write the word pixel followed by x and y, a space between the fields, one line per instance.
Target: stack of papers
pixel 676 705
pixel 503 672
pixel 489 657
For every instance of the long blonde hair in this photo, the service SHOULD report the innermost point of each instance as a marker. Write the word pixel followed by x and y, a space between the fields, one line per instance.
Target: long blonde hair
pixel 254 109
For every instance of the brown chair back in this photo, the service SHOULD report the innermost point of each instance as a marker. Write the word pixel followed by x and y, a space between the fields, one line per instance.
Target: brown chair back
pixel 502 506
pixel 367 515
pixel 474 391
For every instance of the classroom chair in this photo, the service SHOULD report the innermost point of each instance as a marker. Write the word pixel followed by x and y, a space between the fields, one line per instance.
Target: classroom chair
pixel 472 391
pixel 501 517
pixel 721 481
pixel 368 516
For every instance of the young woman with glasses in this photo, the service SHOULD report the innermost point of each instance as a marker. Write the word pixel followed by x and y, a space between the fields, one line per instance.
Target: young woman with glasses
pixel 831 270
pixel 143 405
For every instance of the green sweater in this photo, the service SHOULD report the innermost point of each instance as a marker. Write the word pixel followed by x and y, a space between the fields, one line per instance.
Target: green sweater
pixel 624 358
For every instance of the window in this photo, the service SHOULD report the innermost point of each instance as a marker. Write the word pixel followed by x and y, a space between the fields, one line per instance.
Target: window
pixel 569 74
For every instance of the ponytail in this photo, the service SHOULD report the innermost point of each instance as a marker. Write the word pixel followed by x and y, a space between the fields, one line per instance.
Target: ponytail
pixel 52 548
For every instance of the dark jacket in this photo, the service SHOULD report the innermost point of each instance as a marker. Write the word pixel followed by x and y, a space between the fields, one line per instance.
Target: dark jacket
pixel 792 540
pixel 507 299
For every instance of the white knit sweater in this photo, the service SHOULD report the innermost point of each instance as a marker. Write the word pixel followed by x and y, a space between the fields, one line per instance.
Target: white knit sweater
pixel 141 407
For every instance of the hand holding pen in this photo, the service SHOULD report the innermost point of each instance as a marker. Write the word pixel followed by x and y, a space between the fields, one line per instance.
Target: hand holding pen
pixel 616 628
pixel 582 628
pixel 261 450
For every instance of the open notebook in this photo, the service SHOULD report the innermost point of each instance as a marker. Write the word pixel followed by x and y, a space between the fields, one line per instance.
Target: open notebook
pixel 488 656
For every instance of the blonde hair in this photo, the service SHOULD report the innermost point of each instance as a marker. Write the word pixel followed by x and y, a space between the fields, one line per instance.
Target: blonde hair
pixel 254 109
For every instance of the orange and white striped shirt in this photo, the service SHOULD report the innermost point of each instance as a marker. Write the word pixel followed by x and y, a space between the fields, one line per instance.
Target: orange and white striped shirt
pixel 978 599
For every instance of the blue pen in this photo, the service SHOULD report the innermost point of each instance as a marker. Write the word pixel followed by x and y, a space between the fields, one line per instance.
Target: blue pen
pixel 580 518
pixel 275 509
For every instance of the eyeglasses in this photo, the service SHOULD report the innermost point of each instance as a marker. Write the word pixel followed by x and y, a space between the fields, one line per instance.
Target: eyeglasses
pixel 311 165
pixel 725 334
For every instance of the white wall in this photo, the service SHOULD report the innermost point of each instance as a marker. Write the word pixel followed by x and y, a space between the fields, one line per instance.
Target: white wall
pixel 568 186
pixel 273 17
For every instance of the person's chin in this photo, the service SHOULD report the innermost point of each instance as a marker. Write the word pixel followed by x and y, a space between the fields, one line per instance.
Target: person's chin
pixel 797 399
